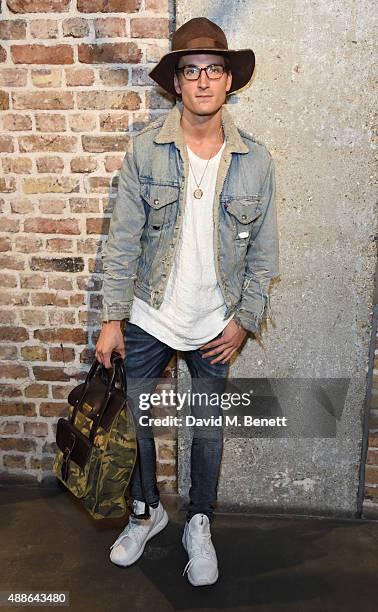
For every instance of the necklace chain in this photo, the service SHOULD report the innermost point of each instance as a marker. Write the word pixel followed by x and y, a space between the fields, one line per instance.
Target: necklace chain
pixel 198 193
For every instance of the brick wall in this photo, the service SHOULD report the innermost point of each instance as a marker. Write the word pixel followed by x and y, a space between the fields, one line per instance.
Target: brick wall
pixel 73 87
pixel 370 504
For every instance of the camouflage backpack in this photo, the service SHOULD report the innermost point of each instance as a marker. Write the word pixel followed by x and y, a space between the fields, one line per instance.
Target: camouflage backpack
pixel 97 445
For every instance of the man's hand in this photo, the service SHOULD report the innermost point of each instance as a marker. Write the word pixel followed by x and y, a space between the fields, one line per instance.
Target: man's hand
pixel 110 339
pixel 232 337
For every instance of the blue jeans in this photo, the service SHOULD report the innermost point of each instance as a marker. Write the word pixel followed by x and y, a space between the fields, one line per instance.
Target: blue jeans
pixel 146 359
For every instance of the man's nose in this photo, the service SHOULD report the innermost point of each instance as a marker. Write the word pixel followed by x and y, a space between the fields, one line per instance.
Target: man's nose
pixel 203 80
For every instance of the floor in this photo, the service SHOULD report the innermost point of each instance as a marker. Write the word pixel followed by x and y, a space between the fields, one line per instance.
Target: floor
pixel 50 543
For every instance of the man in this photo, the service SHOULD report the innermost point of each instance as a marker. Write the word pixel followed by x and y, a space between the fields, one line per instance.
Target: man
pixel 191 251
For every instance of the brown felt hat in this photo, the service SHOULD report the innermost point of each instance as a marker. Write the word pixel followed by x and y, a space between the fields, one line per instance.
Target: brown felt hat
pixel 200 35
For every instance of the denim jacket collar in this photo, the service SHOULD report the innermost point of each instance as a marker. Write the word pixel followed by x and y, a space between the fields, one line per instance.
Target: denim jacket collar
pixel 171 130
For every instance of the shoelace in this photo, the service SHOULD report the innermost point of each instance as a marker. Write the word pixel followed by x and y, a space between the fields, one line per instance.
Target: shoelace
pixel 134 528
pixel 200 549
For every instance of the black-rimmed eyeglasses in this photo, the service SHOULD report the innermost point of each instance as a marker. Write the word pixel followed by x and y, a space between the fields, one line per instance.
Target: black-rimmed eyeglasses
pixel 193 73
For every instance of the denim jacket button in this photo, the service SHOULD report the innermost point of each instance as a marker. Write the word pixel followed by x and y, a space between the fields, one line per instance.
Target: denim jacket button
pixel 156 201
pixel 244 216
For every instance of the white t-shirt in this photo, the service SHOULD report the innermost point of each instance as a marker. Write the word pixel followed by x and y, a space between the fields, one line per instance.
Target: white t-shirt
pixel 193 308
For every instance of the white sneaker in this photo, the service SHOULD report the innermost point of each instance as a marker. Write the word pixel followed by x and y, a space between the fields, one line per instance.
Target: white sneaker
pixel 202 566
pixel 129 545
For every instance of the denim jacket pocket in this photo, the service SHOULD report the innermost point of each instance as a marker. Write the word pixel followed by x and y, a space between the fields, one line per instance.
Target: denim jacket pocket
pixel 244 211
pixel 157 197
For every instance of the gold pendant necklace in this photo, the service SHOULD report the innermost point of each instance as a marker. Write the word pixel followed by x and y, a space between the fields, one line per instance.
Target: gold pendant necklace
pixel 198 193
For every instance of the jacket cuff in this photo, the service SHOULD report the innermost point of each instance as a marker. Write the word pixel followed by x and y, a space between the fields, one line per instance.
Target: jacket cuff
pixel 116 312
pixel 247 320
pixel 251 321
pixel 254 306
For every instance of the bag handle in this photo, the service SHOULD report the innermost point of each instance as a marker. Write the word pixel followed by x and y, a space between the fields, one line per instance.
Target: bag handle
pixel 92 371
pixel 118 373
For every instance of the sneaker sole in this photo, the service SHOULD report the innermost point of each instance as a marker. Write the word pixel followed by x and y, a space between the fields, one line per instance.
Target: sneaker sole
pixel 158 527
pixel 203 583
pixel 198 583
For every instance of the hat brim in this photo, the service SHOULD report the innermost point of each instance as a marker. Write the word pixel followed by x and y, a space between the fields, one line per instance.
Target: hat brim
pixel 242 65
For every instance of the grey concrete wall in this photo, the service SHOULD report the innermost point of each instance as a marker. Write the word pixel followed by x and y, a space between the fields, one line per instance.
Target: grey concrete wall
pixel 311 102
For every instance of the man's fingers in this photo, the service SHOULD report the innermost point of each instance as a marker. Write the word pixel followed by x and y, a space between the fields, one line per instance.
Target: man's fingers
pixel 221 357
pixel 212 343
pixel 99 356
pixel 219 348
pixel 122 353
pixel 223 340
pixel 215 351
pixel 228 357
pixel 104 356
pixel 107 356
pixel 110 340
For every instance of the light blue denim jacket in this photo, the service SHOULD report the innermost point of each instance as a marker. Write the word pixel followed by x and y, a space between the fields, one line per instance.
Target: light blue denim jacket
pixel 148 213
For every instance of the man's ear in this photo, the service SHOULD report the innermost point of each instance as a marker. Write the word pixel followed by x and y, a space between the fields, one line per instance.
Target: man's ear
pixel 229 81
pixel 176 83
